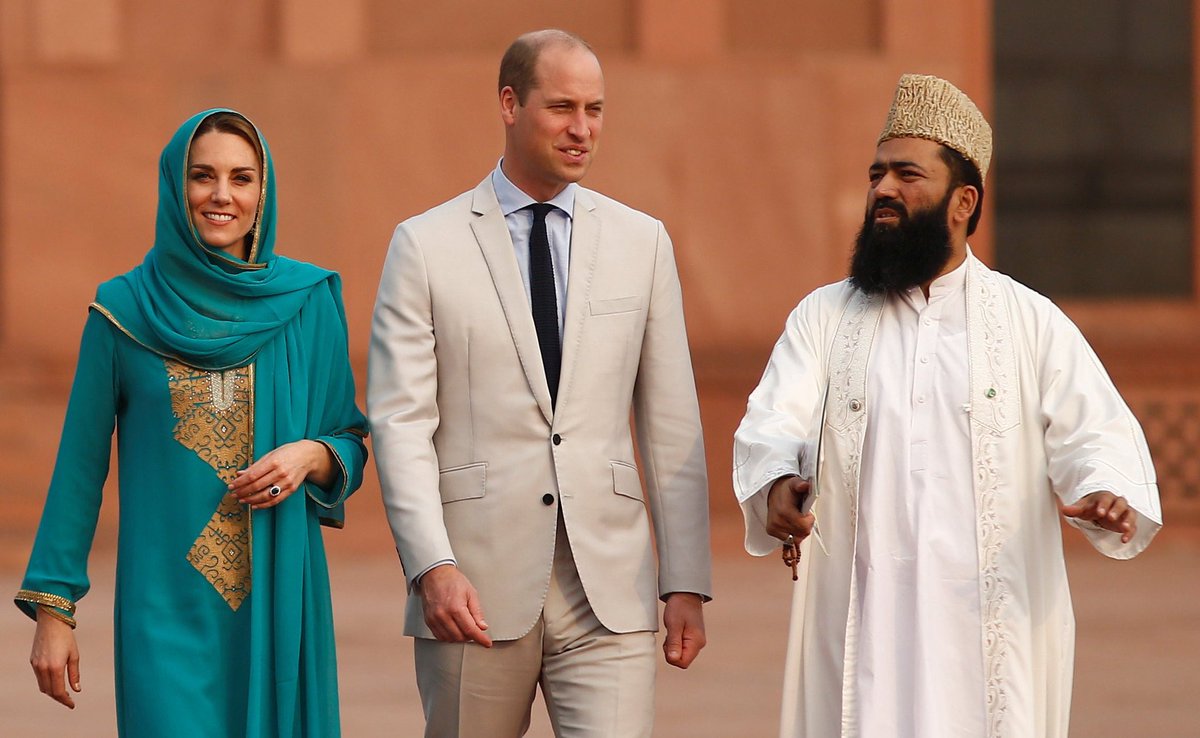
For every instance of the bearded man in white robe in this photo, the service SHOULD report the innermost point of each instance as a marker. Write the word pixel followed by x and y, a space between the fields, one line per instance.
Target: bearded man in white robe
pixel 921 428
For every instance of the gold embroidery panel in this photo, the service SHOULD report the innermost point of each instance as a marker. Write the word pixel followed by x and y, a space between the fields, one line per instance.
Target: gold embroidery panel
pixel 214 416
pixel 213 410
pixel 222 552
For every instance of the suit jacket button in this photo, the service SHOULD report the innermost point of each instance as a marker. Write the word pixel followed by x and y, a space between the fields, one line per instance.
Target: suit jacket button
pixel 557 439
pixel 547 499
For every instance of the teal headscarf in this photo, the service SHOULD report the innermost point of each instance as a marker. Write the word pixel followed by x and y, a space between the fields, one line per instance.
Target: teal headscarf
pixel 197 304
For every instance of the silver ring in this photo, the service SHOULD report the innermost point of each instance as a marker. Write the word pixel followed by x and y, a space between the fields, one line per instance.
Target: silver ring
pixel 274 490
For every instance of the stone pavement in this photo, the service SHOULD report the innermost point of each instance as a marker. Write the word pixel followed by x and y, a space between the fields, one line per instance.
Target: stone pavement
pixel 1138 621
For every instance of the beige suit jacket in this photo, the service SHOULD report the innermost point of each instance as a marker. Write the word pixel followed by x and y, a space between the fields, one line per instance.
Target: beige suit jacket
pixel 464 435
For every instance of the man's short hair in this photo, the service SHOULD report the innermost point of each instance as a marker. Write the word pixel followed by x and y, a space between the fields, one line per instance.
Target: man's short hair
pixel 518 67
pixel 963 172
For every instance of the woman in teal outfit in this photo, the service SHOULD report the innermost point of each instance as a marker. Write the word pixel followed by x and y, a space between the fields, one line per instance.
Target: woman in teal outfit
pixel 224 370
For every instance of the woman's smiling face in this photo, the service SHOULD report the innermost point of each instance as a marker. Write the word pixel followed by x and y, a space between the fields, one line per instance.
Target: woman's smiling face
pixel 224 185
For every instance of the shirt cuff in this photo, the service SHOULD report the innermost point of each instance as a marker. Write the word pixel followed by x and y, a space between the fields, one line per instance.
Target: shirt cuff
pixel 416 580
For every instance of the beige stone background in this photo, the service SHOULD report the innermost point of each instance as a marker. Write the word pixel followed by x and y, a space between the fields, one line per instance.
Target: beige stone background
pixel 745 125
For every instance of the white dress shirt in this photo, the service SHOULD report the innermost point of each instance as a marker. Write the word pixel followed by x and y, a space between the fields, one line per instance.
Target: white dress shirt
pixel 513 202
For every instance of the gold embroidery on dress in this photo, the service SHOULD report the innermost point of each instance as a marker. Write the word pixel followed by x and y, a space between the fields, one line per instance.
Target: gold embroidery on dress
pixel 214 414
pixel 45 598
pixel 222 552
pixel 51 604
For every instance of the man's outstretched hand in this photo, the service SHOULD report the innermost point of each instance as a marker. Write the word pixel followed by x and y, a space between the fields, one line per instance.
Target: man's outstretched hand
pixel 1109 511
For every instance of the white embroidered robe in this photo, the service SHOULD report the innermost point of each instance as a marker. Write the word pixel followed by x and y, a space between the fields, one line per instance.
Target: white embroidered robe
pixel 1045 420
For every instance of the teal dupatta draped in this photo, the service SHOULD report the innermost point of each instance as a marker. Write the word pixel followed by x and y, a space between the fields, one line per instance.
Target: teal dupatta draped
pixel 213 312
pixel 210 309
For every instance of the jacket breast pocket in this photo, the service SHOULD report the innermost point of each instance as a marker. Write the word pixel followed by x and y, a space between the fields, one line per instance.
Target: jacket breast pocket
pixel 626 481
pixel 615 305
pixel 996 411
pixel 467 482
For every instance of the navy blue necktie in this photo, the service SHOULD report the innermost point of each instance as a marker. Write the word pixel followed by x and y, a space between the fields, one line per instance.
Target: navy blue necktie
pixel 543 297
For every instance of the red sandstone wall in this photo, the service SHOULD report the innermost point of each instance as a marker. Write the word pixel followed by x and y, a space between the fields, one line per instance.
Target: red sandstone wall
pixel 747 132
pixel 746 125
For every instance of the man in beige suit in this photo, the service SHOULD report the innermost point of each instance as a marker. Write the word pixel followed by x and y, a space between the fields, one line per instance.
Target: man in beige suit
pixel 515 329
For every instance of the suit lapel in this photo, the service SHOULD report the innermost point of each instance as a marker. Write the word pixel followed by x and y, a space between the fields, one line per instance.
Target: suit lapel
pixel 585 246
pixel 496 244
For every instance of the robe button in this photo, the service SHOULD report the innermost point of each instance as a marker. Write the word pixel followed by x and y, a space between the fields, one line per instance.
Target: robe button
pixel 855 406
pixel 547 499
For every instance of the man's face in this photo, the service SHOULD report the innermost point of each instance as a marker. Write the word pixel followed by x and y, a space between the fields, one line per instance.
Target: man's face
pixel 908 174
pixel 551 138
pixel 905 237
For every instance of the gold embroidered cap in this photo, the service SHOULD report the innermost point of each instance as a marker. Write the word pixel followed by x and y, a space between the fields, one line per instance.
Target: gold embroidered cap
pixel 932 108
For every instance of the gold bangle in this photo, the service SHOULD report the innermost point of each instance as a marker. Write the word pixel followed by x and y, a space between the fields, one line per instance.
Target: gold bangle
pixel 57 615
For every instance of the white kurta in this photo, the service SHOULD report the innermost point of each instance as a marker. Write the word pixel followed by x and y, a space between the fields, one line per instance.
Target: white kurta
pixel 920 660
pixel 976 558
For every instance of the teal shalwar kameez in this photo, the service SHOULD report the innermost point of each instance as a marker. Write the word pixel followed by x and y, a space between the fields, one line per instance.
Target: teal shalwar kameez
pixel 203 362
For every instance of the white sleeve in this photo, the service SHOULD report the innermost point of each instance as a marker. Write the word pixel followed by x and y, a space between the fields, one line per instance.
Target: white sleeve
pixel 1093 442
pixel 778 435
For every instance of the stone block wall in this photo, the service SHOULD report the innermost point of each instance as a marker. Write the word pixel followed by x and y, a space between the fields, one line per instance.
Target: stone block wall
pixel 745 125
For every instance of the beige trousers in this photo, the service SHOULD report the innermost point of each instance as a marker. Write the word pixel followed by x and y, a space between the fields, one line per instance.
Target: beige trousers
pixel 596 683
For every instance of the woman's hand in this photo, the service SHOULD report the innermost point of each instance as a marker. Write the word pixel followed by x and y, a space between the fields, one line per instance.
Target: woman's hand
pixel 55 652
pixel 281 472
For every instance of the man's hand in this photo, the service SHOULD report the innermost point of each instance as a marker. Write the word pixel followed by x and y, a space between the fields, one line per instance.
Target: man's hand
pixel 684 618
pixel 451 607
pixel 1109 511
pixel 783 509
pixel 55 652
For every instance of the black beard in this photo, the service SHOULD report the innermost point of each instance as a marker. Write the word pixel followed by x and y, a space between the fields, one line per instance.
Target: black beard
pixel 896 258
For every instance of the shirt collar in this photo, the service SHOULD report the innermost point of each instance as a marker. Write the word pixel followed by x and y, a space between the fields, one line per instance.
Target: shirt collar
pixel 948 283
pixel 951 280
pixel 513 198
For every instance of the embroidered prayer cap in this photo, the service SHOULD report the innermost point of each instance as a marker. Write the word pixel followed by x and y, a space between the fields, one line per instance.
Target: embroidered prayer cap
pixel 931 108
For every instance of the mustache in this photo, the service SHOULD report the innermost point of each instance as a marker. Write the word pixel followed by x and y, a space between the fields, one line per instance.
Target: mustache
pixel 890 204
